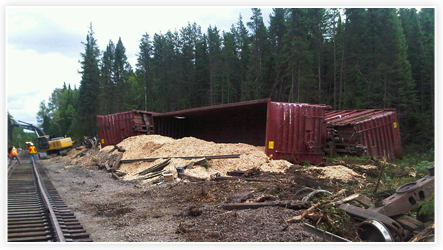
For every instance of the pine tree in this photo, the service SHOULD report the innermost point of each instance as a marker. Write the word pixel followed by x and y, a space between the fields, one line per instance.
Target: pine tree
pixel 120 70
pixel 242 41
pixel 144 68
pixel 89 90
pixel 297 57
pixel 277 31
pixel 215 66
pixel 107 93
pixel 260 53
pixel 231 73
pixel 202 77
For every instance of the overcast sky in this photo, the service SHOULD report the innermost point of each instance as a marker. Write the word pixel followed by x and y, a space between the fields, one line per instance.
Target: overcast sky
pixel 44 43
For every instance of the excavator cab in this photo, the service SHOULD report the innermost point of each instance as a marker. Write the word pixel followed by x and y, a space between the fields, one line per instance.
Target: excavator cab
pixel 43 142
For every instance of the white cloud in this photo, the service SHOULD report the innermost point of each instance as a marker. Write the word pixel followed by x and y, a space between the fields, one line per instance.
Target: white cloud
pixel 44 43
pixel 31 78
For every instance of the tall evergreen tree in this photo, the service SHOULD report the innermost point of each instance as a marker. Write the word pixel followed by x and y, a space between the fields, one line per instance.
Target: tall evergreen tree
pixel 242 41
pixel 277 31
pixel 144 68
pixel 107 93
pixel 89 90
pixel 260 55
pixel 298 58
pixel 120 69
pixel 215 66
pixel 202 77
pixel 231 75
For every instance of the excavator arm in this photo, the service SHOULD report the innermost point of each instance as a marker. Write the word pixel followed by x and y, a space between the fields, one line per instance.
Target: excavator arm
pixel 42 138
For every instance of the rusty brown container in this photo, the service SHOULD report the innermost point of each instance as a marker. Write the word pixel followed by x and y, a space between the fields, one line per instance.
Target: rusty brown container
pixel 296 132
pixel 114 128
pixel 376 130
pixel 291 131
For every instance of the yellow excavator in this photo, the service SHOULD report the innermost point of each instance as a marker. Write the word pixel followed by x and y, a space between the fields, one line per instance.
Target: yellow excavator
pixel 45 144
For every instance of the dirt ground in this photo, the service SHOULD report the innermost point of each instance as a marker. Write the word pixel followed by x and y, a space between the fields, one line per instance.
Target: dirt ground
pixel 133 209
pixel 127 211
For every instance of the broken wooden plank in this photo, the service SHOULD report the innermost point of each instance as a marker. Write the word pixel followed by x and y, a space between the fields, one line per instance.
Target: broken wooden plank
pixel 233 178
pixel 312 184
pixel 207 157
pixel 155 168
pixel 254 205
pixel 191 178
pixel 249 172
pixel 116 163
pixel 151 175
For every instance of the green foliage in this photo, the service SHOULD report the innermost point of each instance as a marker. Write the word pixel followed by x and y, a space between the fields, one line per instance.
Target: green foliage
pixel 87 105
pixel 367 58
pixel 426 207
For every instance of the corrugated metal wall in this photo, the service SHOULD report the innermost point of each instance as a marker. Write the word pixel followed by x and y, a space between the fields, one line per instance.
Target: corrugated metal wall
pixel 114 128
pixel 296 132
pixel 377 129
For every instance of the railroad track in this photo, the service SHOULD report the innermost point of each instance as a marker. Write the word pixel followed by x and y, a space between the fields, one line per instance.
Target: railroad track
pixel 36 212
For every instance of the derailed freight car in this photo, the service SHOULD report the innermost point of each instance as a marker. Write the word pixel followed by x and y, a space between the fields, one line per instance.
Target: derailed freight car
pixel 297 132
pixel 369 132
pixel 114 128
pixel 290 131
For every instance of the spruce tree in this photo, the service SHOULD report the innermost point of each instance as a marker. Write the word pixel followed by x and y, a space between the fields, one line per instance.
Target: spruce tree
pixel 120 70
pixel 144 68
pixel 107 93
pixel 89 90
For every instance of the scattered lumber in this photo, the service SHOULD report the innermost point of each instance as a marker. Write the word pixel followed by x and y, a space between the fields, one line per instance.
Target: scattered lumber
pixel 191 178
pixel 424 234
pixel 227 178
pixel 249 172
pixel 155 168
pixel 151 175
pixel 312 184
pixel 318 204
pixel 253 205
pixel 118 148
pixel 207 157
pixel 116 162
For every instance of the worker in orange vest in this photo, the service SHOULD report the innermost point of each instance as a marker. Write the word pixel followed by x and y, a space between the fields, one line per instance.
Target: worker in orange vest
pixel 14 155
pixel 32 153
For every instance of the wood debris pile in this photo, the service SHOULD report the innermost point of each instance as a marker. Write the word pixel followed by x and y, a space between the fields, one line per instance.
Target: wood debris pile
pixel 334 173
pixel 161 147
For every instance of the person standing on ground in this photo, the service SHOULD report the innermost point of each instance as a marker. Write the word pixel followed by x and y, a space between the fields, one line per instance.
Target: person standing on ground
pixel 32 153
pixel 14 155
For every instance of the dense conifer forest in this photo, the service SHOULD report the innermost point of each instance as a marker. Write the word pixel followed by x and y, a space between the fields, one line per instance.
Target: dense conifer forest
pixel 352 58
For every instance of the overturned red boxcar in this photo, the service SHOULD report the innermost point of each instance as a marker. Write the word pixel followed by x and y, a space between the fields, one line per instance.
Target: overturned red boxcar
pixel 290 131
pixel 298 132
pixel 114 128
pixel 368 132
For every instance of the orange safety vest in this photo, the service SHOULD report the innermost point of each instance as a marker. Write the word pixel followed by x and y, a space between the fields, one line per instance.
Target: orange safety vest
pixel 13 152
pixel 32 150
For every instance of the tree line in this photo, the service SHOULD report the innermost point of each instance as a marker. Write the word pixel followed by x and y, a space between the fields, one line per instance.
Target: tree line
pixel 352 58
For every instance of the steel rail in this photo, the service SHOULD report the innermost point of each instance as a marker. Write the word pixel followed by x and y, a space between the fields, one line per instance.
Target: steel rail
pixel 57 229
pixel 14 164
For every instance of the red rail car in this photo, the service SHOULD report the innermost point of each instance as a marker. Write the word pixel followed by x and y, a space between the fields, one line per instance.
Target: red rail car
pixel 370 132
pixel 296 132
pixel 291 131
pixel 114 128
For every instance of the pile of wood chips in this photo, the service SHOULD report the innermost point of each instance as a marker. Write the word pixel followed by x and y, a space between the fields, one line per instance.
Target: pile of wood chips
pixel 162 147
pixel 156 146
pixel 338 172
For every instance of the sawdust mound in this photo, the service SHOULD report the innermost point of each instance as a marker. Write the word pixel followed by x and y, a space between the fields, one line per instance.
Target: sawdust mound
pixel 156 146
pixel 338 172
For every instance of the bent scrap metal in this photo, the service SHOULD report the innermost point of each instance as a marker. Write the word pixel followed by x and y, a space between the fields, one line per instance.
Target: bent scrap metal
pixel 386 220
